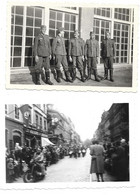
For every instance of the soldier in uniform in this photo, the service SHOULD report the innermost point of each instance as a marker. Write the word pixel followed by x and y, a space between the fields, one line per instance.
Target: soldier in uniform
pixel 59 54
pixel 108 54
pixel 42 55
pixel 76 54
pixel 91 55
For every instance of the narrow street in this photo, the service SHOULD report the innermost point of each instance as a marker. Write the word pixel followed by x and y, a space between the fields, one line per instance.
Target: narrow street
pixel 71 170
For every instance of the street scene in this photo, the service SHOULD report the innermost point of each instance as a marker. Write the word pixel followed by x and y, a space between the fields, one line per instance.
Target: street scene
pixel 74 46
pixel 45 145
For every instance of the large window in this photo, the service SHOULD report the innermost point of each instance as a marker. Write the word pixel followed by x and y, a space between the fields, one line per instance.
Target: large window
pixel 58 19
pixel 122 14
pixel 121 37
pixel 102 12
pixel 25 25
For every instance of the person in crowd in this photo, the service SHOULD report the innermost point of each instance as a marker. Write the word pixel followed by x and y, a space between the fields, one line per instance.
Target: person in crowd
pixel 10 167
pixel 108 54
pixel 97 160
pixel 76 55
pixel 59 55
pixel 91 55
pixel 42 52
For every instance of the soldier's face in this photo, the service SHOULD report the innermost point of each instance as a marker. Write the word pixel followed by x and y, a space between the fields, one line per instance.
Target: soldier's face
pixel 43 30
pixel 62 33
pixel 107 35
pixel 92 36
pixel 76 35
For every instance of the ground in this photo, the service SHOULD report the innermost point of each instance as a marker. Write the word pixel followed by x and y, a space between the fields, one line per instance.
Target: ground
pixel 122 78
pixel 71 170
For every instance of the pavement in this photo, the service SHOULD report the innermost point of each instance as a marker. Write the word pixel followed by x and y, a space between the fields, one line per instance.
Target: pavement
pixel 122 77
pixel 71 170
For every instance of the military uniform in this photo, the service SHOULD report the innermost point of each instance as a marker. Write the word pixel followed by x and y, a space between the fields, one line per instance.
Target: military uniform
pixel 76 51
pixel 59 51
pixel 108 53
pixel 42 49
pixel 92 52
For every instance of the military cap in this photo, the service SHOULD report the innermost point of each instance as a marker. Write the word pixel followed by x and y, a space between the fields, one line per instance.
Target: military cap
pixel 60 29
pixel 43 26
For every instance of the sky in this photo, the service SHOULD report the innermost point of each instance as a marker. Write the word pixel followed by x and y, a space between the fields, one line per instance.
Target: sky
pixel 85 113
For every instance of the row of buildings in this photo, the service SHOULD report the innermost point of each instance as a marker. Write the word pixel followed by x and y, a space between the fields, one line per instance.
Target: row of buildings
pixel 44 123
pixel 114 124
pixel 27 19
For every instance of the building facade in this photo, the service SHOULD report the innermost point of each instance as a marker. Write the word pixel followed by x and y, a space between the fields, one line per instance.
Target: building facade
pixel 17 132
pixel 26 22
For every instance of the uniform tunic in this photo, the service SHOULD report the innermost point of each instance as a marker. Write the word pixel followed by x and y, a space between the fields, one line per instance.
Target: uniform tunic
pixel 43 51
pixel 59 50
pixel 92 52
pixel 108 52
pixel 76 51
pixel 97 163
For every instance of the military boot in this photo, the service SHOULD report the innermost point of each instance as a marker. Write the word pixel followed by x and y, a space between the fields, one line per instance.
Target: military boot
pixel 89 74
pixel 68 79
pixel 82 77
pixel 96 76
pixel 37 78
pixel 48 78
pixel 111 75
pixel 106 74
pixel 58 76
pixel 74 74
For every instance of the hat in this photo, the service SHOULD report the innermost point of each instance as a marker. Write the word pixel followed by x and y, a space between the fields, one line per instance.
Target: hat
pixel 60 29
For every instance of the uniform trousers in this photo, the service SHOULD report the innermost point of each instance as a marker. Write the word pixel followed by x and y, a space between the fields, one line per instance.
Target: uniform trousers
pixel 77 62
pixel 43 62
pixel 61 59
pixel 108 62
pixel 92 63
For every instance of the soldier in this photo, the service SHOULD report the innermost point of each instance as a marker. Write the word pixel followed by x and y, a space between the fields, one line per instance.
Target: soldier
pixel 42 55
pixel 108 54
pixel 76 55
pixel 59 54
pixel 91 55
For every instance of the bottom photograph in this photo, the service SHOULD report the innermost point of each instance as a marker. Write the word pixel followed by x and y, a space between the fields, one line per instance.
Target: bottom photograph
pixel 73 143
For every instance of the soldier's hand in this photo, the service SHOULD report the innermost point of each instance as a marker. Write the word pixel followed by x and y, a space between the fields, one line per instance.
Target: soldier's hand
pixel 36 58
pixel 54 57
pixel 70 58
pixel 83 58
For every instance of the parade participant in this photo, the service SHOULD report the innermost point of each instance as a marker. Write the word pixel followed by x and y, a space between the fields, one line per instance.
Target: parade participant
pixel 97 159
pixel 108 54
pixel 76 54
pixel 59 55
pixel 42 55
pixel 91 55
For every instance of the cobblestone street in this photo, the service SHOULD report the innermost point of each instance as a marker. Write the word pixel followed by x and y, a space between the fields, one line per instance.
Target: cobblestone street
pixel 71 170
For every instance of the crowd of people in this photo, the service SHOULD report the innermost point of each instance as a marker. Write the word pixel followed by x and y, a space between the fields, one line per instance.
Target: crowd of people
pixel 51 155
pixel 113 157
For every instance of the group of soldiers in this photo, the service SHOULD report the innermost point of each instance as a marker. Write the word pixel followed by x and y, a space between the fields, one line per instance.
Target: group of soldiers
pixel 78 52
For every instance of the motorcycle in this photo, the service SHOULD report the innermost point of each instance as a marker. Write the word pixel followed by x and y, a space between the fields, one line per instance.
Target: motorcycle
pixel 32 172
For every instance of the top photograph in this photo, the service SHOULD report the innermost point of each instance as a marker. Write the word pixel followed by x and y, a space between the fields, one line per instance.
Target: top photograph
pixel 72 48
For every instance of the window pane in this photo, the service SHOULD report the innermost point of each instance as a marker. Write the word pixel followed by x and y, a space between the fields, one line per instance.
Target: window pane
pixel 52 24
pixel 28 41
pixel 19 10
pixel 18 41
pixel 36 31
pixel 30 11
pixel 17 51
pixel 11 40
pixel 29 31
pixel 16 62
pixel 28 62
pixel 67 17
pixel 38 13
pixel 66 26
pixel 59 24
pixel 52 15
pixel 73 19
pixel 28 51
pixel 59 16
pixel 72 27
pixel 38 22
pixel 52 33
pixel 66 35
pixel 18 30
pixel 29 21
pixel 19 20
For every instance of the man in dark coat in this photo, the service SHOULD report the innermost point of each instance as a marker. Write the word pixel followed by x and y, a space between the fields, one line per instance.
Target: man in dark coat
pixel 59 55
pixel 76 54
pixel 42 55
pixel 91 55
pixel 108 54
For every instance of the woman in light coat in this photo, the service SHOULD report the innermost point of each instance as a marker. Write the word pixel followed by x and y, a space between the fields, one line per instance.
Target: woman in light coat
pixel 97 159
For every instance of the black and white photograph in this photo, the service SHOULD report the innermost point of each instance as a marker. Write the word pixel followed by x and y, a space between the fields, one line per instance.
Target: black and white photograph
pixel 44 144
pixel 66 47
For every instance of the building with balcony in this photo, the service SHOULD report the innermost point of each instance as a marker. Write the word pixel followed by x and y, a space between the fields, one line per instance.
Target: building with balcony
pixel 17 132
pixel 26 22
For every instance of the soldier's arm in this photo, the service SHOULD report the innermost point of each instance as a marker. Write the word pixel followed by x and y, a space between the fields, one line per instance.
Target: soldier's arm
pixel 114 49
pixel 49 46
pixel 83 47
pixel 36 45
pixel 97 49
pixel 69 49
pixel 53 46
pixel 85 50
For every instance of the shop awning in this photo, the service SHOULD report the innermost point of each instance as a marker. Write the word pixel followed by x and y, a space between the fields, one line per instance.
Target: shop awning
pixel 46 141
